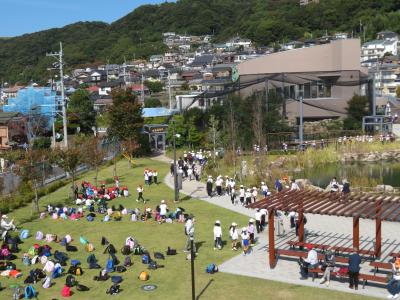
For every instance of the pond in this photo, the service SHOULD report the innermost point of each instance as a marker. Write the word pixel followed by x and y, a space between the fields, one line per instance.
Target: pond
pixel 358 174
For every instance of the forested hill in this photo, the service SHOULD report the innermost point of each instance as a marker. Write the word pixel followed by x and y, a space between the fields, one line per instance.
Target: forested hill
pixel 139 33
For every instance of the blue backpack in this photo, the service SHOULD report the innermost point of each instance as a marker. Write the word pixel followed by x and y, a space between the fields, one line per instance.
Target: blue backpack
pixel 24 234
pixel 57 272
pixel 89 218
pixel 211 269
pixel 75 262
pixel 116 279
pixel 63 242
pixel 110 265
pixel 145 259
pixel 29 292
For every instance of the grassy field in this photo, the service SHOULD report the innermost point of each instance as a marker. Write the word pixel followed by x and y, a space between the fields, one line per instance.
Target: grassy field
pixel 173 281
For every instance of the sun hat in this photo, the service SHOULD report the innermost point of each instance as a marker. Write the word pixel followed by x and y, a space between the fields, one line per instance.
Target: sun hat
pixel 217 222
pixel 234 224
pixel 244 229
pixel 251 220
pixel 162 201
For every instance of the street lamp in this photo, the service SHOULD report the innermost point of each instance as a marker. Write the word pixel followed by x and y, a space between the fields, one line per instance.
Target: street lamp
pixel 175 168
pixel 192 266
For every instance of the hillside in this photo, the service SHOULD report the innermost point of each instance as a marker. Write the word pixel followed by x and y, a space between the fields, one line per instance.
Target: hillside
pixel 139 33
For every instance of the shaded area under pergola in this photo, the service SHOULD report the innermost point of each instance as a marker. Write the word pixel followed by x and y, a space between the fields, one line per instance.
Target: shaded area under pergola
pixel 367 206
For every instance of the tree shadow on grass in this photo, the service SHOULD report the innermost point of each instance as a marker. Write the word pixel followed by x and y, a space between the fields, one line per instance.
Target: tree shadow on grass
pixel 204 289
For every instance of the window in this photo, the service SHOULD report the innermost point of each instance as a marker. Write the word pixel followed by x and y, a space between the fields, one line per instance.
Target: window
pixel 307 91
pixel 314 90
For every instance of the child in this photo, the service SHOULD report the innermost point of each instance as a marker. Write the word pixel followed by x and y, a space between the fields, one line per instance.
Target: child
pixel 234 235
pixel 155 177
pixel 217 235
pixel 245 240
pixel 140 194
pixel 250 230
pixel 233 196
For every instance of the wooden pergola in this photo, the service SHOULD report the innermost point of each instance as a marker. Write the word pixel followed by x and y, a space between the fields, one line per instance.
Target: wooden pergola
pixel 367 206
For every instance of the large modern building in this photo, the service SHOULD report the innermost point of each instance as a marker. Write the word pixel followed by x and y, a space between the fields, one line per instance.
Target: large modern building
pixel 325 76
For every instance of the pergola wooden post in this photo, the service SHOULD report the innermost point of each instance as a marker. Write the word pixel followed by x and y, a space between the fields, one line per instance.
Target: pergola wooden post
pixel 271 238
pixel 378 230
pixel 301 223
pixel 356 232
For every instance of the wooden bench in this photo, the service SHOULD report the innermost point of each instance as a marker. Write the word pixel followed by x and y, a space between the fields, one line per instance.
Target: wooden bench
pixel 293 244
pixel 363 277
pixel 321 257
pixel 339 249
pixel 380 265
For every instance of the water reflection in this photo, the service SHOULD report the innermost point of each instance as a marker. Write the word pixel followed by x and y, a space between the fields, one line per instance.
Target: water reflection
pixel 359 174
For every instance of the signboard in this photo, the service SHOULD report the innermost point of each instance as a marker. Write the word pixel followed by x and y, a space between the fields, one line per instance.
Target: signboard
pixel 156 129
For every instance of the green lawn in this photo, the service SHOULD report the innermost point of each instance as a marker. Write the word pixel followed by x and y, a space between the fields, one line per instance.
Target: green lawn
pixel 173 281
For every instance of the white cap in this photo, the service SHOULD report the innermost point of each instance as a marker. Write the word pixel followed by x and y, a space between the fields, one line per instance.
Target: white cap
pixel 244 229
pixel 262 182
pixel 217 222
pixel 209 176
pixel 4 216
pixel 241 185
pixel 251 220
pixel 162 201
pixel 234 224
pixel 248 190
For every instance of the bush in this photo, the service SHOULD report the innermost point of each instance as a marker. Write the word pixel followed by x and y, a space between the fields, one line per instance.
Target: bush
pixel 42 143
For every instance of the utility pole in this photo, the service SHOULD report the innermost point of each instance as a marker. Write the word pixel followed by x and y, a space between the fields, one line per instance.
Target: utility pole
pixel 59 57
pixel 142 92
pixel 169 90
pixel 301 121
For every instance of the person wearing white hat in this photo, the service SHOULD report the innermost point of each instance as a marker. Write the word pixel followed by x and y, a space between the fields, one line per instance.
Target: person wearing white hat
pixel 217 235
pixel 264 189
pixel 250 230
pixel 254 194
pixel 163 210
pixel 6 226
pixel 233 233
pixel 242 194
pixel 245 240
pixel 218 185
pixel 248 196
pixel 258 220
pixel 209 186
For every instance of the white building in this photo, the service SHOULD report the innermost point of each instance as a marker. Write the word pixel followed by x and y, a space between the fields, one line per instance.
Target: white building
pixel 377 48
pixel 387 79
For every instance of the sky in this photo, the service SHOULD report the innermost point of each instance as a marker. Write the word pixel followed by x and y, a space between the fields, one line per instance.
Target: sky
pixel 25 16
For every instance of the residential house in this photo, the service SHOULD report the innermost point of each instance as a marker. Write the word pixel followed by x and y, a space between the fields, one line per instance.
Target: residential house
pixel 13 129
pixel 387 78
pixel 156 59
pixel 96 77
pixel 105 88
pixel 204 61
pixel 170 58
pixel 376 49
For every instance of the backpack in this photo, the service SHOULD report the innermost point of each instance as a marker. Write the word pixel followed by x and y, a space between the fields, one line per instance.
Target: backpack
pixel 127 261
pixel 145 259
pixel 110 249
pixel 104 241
pixel 57 272
pixel 138 250
pixel 82 288
pixel 103 276
pixel 144 276
pixel 114 259
pixel 63 242
pixel 120 269
pixel 49 266
pixel 90 218
pixel 5 252
pixel 70 281
pixel 71 248
pixel 159 255
pixel 171 251
pixel 39 235
pixel 24 234
pixel 126 250
pixel 153 265
pixel 83 240
pixel 106 218
pixel 110 265
pixel 46 250
pixel 211 269
pixel 114 289
pixel 60 256
pixel 89 247
pixel 116 279
pixel 75 262
pixel 66 291
pixel 47 283
pixel 32 251
pixel 34 259
pixel 30 292
pixel 26 260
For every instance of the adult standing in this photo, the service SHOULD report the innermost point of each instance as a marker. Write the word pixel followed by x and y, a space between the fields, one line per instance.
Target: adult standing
pixel 258 220
pixel 218 185
pixel 278 185
pixel 248 196
pixel 242 194
pixel 209 186
pixel 155 176
pixel 189 231
pixel 354 269
pixel 264 189
pixel 139 190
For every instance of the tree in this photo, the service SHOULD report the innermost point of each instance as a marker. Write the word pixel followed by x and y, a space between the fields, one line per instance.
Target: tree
pixel 81 111
pixel 30 171
pixel 213 135
pixel 152 102
pixel 94 154
pixel 194 137
pixel 42 143
pixel 125 116
pixel 69 160
pixel 154 86
pixel 130 146
pixel 357 108
pixel 177 121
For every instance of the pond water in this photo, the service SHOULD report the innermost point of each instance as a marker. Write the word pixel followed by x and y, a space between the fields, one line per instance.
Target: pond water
pixel 358 174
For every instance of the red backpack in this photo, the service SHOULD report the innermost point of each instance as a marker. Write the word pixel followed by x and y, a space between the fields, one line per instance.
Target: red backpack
pixel 66 291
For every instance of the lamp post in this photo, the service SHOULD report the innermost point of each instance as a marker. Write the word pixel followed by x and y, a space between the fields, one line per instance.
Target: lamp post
pixel 192 266
pixel 175 168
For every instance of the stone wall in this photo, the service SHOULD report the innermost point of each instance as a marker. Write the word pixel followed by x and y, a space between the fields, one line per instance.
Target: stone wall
pixel 371 156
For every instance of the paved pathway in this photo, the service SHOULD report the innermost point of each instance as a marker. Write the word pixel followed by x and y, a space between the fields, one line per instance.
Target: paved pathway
pixel 321 229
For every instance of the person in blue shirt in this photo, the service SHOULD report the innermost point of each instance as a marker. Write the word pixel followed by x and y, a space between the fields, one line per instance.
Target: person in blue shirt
pixel 354 269
pixel 278 185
